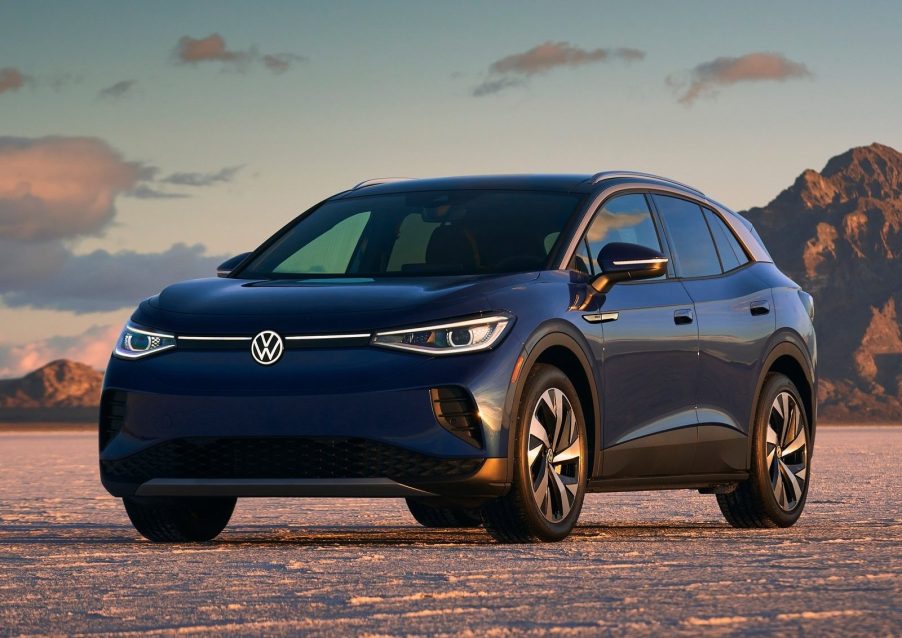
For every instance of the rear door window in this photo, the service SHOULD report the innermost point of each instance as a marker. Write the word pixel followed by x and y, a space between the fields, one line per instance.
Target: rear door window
pixel 693 247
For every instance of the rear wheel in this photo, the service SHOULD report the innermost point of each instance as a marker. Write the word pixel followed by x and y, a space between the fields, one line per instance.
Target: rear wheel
pixel 550 463
pixel 179 520
pixel 448 517
pixel 774 494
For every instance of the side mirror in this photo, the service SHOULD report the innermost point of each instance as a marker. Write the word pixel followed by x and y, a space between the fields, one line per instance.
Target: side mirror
pixel 226 267
pixel 627 262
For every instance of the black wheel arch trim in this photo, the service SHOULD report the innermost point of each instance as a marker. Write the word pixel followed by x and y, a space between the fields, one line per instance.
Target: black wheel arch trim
pixel 556 333
pixel 787 342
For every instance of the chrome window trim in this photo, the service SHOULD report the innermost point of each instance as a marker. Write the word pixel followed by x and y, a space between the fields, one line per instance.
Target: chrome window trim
pixel 743 235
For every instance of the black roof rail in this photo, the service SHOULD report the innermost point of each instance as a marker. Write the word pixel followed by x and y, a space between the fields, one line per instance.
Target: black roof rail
pixel 598 177
pixel 379 180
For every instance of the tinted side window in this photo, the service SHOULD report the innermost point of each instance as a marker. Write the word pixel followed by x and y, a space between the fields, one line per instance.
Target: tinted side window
pixel 622 219
pixel 693 248
pixel 581 261
pixel 731 253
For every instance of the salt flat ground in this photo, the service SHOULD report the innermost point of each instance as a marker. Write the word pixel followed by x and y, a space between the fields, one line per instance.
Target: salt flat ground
pixel 650 563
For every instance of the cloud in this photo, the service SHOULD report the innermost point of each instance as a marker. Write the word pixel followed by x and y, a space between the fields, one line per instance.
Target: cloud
pixel 60 187
pixel 66 187
pixel 117 91
pixel 11 80
pixel 50 276
pixel 56 189
pixel 210 49
pixel 708 77
pixel 512 70
pixel 494 86
pixel 92 347
pixel 278 63
pixel 213 48
pixel 143 191
pixel 226 174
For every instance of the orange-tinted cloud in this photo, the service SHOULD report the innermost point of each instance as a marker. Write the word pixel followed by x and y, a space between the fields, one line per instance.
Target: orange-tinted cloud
pixel 11 80
pixel 60 187
pixel 708 77
pixel 210 49
pixel 512 69
pixel 92 347
pixel 213 48
pixel 549 55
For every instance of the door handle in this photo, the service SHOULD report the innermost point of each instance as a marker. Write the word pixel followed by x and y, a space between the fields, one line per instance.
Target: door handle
pixel 760 307
pixel 683 316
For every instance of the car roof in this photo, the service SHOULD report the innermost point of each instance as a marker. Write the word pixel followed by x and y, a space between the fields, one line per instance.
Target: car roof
pixel 539 182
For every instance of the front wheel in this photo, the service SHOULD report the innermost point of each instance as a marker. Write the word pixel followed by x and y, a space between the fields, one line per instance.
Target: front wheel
pixel 179 520
pixel 550 463
pixel 775 492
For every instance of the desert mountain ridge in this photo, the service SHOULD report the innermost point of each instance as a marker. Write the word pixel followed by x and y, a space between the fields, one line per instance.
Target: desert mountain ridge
pixel 58 384
pixel 837 232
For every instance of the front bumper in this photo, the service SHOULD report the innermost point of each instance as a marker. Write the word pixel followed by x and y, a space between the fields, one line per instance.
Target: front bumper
pixel 357 422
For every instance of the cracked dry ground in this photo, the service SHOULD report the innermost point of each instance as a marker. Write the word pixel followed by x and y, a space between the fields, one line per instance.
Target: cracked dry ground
pixel 647 563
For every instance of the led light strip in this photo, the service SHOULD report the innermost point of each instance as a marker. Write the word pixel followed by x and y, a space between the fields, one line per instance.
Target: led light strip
pixel 445 326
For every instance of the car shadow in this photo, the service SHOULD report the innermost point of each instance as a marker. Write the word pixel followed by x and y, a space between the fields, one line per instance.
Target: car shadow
pixel 354 535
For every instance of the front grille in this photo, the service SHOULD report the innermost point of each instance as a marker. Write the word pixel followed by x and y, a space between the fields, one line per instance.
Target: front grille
pixel 284 457
pixel 112 415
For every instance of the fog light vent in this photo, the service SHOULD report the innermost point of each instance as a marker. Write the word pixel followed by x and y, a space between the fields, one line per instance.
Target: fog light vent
pixel 112 415
pixel 456 411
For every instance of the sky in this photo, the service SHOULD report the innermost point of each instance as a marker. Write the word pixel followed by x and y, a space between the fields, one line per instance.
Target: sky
pixel 143 143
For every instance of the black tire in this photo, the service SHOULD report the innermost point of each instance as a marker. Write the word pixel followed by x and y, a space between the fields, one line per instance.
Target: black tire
pixel 755 502
pixel 449 517
pixel 517 517
pixel 179 520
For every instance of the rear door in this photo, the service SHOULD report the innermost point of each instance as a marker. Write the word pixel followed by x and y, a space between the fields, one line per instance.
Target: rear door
pixel 649 356
pixel 734 317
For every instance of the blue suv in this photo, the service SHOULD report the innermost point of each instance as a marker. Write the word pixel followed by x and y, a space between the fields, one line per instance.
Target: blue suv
pixel 489 348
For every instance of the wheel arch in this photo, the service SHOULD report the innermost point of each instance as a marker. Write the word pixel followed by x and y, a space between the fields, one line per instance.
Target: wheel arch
pixel 561 345
pixel 788 357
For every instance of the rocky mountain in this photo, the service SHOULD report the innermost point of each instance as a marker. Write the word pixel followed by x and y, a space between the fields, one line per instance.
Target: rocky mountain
pixel 59 391
pixel 838 233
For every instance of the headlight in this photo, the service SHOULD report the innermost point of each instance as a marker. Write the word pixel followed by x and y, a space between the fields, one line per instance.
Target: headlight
pixel 135 342
pixel 447 338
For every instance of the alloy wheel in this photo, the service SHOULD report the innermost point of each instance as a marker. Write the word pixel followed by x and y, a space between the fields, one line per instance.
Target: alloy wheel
pixel 786 450
pixel 553 455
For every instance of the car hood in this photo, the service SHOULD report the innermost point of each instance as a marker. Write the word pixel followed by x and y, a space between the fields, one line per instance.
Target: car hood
pixel 239 306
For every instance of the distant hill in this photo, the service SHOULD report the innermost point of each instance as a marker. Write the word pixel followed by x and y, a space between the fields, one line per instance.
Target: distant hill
pixel 59 391
pixel 838 233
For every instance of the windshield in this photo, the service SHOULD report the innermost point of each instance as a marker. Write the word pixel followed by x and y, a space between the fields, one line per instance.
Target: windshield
pixel 456 232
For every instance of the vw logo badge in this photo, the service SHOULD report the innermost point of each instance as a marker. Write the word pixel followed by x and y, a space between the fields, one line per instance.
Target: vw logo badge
pixel 267 348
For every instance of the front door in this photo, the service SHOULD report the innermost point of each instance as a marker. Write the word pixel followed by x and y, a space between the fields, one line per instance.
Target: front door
pixel 649 356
